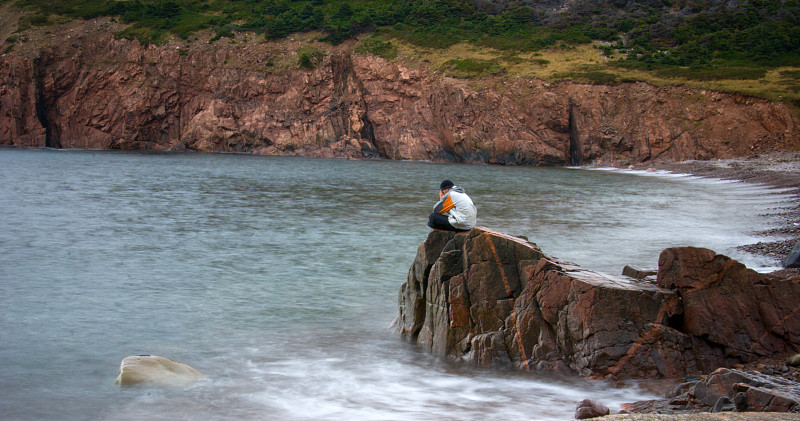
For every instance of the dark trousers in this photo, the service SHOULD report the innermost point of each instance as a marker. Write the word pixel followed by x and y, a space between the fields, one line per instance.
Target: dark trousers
pixel 440 222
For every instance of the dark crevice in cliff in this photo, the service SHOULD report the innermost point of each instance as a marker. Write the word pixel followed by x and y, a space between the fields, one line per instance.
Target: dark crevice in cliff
pixel 349 95
pixel 368 133
pixel 575 149
pixel 50 140
pixel 664 152
pixel 340 69
pixel 676 322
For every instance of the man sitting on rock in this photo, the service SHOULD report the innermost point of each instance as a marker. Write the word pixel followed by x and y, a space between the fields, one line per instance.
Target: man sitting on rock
pixel 454 211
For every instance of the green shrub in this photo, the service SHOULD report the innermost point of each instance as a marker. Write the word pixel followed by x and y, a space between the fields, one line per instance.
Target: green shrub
pixel 594 77
pixel 601 78
pixel 190 24
pixel 222 32
pixel 470 68
pixel 438 37
pixel 713 73
pixel 513 59
pixel 790 74
pixel 23 25
pixel 309 57
pixel 39 20
pixel 758 32
pixel 378 46
pixel 606 50
pixel 144 35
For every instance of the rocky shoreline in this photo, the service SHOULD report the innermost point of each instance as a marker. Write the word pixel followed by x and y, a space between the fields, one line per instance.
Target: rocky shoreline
pixel 780 171
pixel 727 332
pixel 720 416
pixel 493 300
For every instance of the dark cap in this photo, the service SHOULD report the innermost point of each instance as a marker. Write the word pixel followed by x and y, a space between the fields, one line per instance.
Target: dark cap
pixel 446 184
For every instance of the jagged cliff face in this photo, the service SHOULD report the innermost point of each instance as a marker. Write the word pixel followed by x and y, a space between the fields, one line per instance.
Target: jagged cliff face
pixel 94 91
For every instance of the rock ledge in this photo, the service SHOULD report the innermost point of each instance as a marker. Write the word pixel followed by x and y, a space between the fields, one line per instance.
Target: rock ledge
pixel 494 300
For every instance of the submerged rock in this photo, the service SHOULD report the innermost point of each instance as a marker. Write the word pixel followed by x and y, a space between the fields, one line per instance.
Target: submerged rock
pixel 495 300
pixel 155 370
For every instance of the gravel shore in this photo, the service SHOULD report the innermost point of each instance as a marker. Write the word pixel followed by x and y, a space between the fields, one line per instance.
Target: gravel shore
pixel 780 171
pixel 719 416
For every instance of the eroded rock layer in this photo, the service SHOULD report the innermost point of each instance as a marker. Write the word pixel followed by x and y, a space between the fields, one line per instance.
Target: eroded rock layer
pixel 495 300
pixel 94 91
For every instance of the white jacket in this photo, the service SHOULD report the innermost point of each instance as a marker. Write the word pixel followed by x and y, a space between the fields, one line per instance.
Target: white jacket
pixel 460 211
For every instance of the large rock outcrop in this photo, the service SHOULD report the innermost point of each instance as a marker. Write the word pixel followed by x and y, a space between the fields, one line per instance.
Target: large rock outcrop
pixel 90 90
pixel 495 300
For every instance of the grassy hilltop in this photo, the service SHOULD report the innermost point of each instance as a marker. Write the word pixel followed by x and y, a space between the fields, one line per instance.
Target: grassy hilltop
pixel 748 46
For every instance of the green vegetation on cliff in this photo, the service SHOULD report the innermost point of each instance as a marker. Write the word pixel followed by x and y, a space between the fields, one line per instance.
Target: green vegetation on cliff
pixel 683 33
pixel 685 40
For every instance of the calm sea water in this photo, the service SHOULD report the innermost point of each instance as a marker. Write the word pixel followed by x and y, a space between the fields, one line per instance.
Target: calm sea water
pixel 278 277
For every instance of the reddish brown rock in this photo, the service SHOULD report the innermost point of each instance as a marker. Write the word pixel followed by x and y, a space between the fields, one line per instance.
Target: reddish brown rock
pixel 589 408
pixel 732 313
pixel 19 123
pixel 727 390
pixel 413 292
pixel 494 300
pixel 94 91
pixel 767 399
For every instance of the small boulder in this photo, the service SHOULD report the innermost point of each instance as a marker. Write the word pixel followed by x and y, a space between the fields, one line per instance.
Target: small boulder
pixel 155 370
pixel 746 390
pixel 794 360
pixel 766 399
pixel 724 404
pixel 636 272
pixel 589 408
pixel 793 259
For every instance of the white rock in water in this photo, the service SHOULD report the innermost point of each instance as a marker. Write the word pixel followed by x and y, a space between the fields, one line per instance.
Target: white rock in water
pixel 155 370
